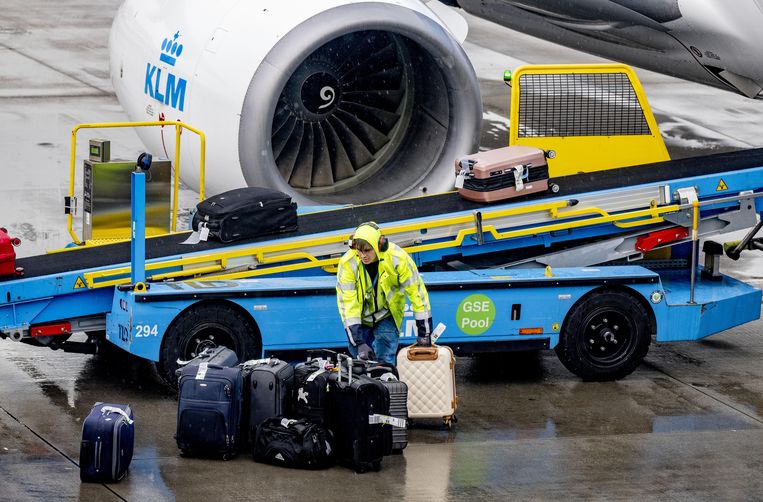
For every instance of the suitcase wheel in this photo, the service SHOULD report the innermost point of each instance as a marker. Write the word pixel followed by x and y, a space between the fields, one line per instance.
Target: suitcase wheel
pixel 554 187
pixel 377 465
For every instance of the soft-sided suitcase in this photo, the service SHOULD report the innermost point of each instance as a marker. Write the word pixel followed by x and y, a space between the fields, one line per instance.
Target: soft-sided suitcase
pixel 502 173
pixel 311 389
pixel 359 418
pixel 268 391
pixel 294 443
pixel 8 255
pixel 221 356
pixel 430 375
pixel 108 437
pixel 209 410
pixel 246 212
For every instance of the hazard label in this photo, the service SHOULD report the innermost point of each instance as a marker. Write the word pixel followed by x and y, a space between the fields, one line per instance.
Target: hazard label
pixel 79 284
pixel 721 186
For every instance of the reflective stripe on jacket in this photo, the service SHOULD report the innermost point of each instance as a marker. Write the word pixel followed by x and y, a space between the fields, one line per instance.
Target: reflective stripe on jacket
pixel 398 277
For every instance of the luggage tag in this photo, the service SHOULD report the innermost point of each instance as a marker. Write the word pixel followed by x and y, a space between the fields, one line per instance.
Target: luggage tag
pixel 466 166
pixel 437 332
pixel 202 371
pixel 386 419
pixel 198 236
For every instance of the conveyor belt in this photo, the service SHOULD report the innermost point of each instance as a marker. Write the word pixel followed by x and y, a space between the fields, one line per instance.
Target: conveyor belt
pixel 384 212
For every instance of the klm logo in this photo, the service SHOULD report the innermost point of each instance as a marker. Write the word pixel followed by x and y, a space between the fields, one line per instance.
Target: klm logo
pixel 166 88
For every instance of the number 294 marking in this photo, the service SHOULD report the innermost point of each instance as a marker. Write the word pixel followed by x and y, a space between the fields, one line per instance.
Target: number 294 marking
pixel 146 330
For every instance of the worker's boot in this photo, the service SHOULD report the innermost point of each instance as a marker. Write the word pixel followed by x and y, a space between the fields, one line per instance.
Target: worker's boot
pixel 424 341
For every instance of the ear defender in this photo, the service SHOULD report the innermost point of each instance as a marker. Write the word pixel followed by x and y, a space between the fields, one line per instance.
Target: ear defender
pixel 383 244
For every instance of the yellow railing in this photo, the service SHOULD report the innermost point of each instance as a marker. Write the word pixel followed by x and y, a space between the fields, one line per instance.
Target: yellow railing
pixel 179 126
pixel 293 255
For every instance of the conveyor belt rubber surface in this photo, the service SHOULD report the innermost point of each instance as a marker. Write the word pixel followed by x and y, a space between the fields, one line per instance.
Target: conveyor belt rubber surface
pixel 385 212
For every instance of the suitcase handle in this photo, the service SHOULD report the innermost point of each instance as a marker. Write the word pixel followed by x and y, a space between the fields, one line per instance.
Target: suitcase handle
pixel 422 353
pixel 114 409
pixel 349 367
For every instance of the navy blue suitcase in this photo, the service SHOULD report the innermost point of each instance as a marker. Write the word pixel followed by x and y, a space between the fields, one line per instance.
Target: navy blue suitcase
pixel 209 410
pixel 108 438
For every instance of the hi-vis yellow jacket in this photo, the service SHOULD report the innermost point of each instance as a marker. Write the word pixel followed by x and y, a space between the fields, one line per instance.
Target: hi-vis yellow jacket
pixel 397 277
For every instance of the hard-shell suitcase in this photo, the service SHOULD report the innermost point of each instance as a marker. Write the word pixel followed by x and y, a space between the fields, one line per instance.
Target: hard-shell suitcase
pixel 311 390
pixel 502 173
pixel 359 417
pixel 108 437
pixel 246 212
pixel 398 408
pixel 268 391
pixel 431 378
pixel 209 410
pixel 296 443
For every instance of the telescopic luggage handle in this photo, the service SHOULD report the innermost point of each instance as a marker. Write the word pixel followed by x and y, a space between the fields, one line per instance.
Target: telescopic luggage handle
pixel 349 359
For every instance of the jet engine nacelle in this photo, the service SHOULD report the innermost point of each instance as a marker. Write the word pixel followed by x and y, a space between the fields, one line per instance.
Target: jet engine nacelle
pixel 332 101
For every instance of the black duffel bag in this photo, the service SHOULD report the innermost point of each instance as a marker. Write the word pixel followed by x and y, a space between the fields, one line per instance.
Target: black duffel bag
pixel 245 213
pixel 297 443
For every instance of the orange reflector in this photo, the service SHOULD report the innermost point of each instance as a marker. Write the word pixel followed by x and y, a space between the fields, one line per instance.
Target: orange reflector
pixel 530 331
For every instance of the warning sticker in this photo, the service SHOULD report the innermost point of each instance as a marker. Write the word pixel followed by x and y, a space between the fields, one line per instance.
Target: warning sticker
pixel 721 186
pixel 79 283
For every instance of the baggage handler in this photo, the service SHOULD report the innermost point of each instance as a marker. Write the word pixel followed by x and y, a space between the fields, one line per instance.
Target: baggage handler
pixel 373 279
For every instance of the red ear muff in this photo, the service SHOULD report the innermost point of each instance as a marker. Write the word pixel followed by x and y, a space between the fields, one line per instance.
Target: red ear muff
pixel 383 244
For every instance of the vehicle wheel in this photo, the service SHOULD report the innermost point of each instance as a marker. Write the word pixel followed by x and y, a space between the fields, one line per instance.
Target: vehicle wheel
pixel 605 336
pixel 204 326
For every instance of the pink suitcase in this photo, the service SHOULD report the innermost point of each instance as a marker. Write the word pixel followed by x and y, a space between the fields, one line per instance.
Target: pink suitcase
pixel 502 173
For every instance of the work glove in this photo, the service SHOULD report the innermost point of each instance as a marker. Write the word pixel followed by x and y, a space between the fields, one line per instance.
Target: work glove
pixel 365 352
pixel 424 332
pixel 359 334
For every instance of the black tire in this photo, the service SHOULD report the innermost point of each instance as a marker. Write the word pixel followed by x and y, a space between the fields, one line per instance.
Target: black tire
pixel 605 336
pixel 207 325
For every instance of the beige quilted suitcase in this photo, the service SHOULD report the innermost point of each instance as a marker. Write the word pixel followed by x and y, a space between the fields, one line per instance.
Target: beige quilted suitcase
pixel 430 373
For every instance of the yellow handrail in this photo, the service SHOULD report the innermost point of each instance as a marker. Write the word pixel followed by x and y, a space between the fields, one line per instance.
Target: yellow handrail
pixel 293 250
pixel 176 182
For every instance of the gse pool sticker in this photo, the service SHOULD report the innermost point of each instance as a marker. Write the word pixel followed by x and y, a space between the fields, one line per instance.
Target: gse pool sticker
pixel 475 314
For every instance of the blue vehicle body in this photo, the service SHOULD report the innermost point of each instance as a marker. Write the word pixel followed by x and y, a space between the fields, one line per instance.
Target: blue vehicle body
pixel 490 306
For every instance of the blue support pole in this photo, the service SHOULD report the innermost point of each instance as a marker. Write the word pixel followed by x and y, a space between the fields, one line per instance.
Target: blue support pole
pixel 138 241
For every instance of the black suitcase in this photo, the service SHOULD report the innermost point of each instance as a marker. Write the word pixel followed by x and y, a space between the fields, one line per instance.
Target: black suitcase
pixel 311 388
pixel 267 391
pixel 108 437
pixel 246 212
pixel 209 410
pixel 294 443
pixel 358 413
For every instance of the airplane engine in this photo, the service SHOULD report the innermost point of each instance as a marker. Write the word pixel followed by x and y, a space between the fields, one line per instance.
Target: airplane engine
pixel 332 101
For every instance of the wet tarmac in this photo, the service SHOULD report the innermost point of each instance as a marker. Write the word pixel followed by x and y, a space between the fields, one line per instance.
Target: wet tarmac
pixel 687 425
